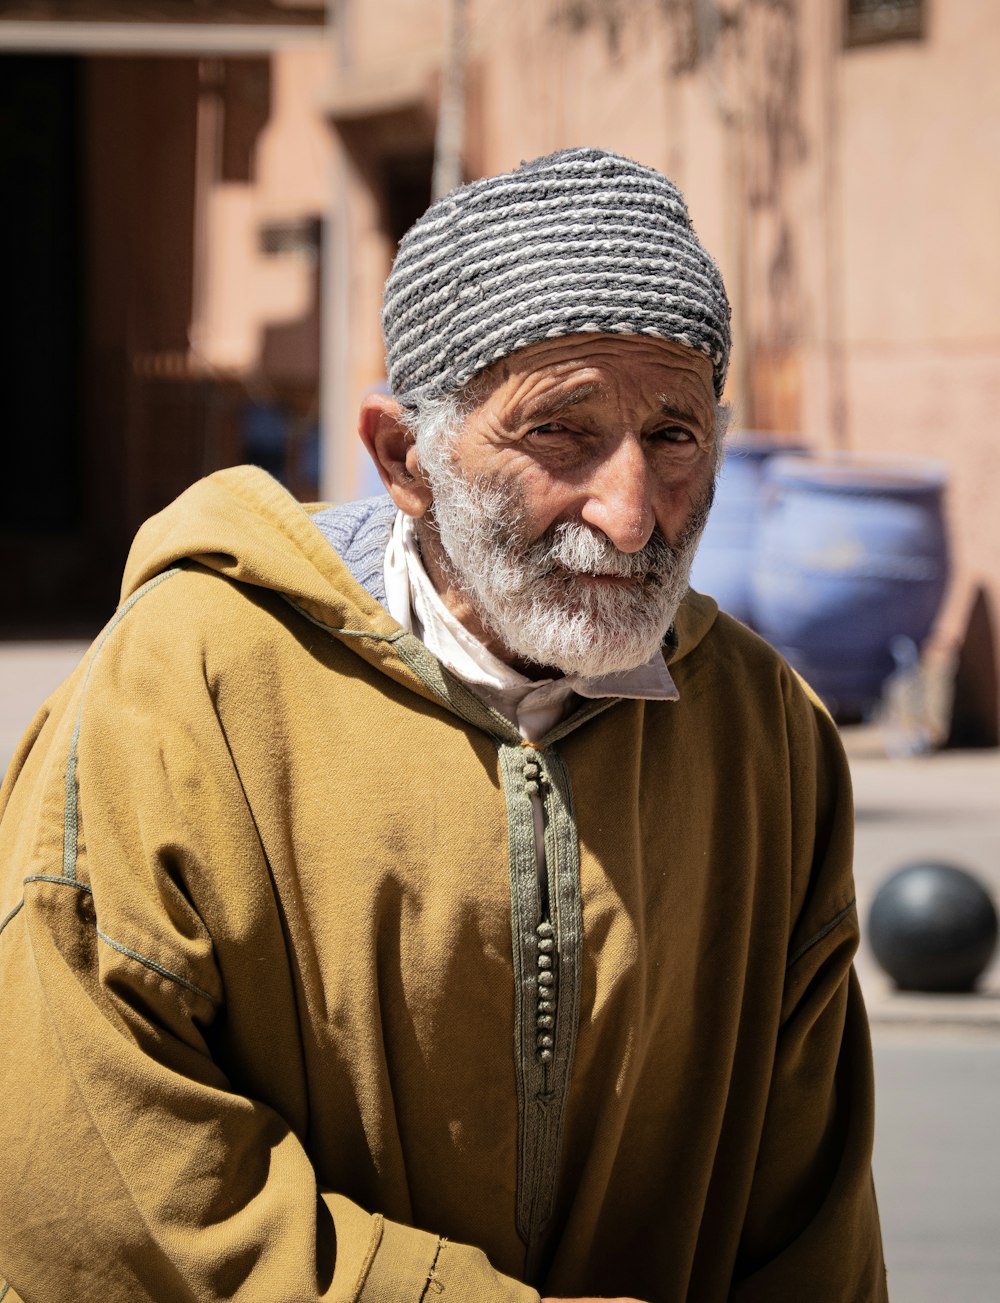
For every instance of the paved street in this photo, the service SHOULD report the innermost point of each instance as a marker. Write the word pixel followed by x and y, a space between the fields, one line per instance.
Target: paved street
pixel 937 1162
pixel 29 671
pixel 937 1058
pixel 936 807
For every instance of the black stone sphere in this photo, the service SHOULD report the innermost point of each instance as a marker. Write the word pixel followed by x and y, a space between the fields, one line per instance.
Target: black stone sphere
pixel 933 927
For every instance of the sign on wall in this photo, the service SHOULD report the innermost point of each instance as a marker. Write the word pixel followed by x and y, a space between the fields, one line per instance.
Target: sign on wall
pixel 866 21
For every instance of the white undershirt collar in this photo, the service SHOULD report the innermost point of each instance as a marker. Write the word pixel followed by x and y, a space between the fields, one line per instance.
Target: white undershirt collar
pixel 535 705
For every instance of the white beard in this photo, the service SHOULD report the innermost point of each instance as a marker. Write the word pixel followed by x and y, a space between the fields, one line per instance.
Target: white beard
pixel 529 595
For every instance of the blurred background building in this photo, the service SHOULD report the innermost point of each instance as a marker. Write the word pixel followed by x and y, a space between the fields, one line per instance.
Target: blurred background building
pixel 201 200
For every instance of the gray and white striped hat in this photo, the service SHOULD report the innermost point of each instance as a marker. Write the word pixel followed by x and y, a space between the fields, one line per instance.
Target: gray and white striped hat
pixel 580 241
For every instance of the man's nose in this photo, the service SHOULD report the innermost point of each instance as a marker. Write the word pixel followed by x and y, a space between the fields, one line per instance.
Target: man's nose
pixel 619 497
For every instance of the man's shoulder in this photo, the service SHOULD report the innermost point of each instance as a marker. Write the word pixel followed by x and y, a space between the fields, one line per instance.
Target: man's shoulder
pixel 725 642
pixel 745 677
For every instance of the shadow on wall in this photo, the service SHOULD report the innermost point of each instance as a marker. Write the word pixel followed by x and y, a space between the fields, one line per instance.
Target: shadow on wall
pixel 975 711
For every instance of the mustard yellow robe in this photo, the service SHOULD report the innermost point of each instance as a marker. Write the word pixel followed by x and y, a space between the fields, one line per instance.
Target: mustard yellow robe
pixel 286 1015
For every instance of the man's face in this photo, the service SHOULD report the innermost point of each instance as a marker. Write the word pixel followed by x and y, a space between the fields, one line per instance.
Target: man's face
pixel 569 505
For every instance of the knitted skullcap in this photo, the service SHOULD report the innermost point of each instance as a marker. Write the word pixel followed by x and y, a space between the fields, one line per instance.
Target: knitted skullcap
pixel 580 241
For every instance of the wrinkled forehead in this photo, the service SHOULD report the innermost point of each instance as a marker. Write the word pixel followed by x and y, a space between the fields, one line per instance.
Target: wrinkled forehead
pixel 627 371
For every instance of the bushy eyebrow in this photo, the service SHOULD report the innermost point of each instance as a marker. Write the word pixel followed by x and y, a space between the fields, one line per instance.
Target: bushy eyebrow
pixel 539 410
pixel 674 411
pixel 536 411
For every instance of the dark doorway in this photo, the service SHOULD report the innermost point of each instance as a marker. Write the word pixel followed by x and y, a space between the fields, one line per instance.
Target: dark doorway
pixel 106 414
pixel 39 386
pixel 406 186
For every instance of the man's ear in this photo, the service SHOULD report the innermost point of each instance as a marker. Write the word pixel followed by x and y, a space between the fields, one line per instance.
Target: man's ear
pixel 390 445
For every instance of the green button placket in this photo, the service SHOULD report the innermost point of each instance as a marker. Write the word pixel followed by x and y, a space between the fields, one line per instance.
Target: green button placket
pixel 546 948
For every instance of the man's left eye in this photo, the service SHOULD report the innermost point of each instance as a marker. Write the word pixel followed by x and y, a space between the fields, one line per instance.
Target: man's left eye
pixel 674 434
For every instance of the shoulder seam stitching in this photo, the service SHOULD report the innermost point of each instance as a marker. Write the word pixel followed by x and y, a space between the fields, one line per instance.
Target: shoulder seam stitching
pixel 151 964
pixel 3 923
pixel 42 877
pixel 154 967
pixel 71 820
pixel 60 881
pixel 824 931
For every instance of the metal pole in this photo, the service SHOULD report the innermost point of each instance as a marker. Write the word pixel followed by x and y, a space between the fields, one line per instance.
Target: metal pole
pixel 450 137
pixel 337 432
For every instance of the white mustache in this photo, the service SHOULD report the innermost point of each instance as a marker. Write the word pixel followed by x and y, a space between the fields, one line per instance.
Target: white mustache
pixel 574 548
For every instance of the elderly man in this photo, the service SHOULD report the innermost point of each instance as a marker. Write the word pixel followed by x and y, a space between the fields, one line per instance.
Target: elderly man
pixel 431 895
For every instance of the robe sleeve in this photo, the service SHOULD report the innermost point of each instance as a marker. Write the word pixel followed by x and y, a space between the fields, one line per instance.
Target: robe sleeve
pixel 812 1228
pixel 133 1168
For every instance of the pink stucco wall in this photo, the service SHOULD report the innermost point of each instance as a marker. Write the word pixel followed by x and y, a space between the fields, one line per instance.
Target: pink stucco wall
pixel 850 196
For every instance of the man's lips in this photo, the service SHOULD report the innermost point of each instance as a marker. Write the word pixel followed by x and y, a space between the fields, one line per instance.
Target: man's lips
pixel 590 577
